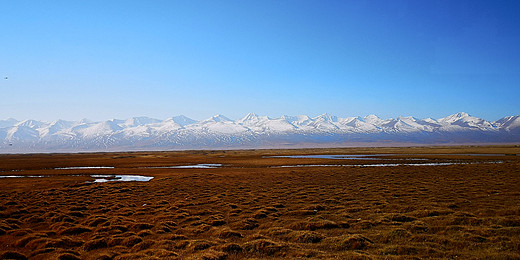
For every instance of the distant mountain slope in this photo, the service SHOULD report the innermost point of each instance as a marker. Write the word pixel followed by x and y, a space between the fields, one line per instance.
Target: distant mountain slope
pixel 251 131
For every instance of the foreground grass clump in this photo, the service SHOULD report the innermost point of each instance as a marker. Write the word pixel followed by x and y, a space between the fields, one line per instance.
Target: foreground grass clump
pixel 346 242
pixel 263 247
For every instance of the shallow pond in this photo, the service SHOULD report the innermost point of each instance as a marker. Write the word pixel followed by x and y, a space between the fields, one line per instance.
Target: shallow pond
pixel 105 178
pixel 23 176
pixel 382 164
pixel 84 167
pixel 373 156
pixel 194 166
pixel 97 178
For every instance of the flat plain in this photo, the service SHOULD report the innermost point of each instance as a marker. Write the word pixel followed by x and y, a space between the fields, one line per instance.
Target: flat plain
pixel 373 203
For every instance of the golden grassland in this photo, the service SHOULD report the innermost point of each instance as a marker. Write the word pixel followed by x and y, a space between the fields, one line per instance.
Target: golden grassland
pixel 249 209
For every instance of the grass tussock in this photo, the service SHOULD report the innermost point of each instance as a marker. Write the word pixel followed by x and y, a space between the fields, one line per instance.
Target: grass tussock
pixel 346 242
pixel 209 255
pixel 160 253
pixel 95 244
pixel 13 255
pixel 305 237
pixel 197 245
pixel 228 234
pixel 263 247
pixel 314 224
pixel 68 256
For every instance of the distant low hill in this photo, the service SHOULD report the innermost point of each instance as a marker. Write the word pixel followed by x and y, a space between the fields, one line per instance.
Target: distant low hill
pixel 251 131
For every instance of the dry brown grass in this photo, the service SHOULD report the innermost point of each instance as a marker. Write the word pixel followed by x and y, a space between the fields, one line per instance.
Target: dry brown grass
pixel 247 209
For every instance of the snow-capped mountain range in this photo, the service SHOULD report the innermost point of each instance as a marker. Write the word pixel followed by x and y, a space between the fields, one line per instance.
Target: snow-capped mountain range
pixel 251 131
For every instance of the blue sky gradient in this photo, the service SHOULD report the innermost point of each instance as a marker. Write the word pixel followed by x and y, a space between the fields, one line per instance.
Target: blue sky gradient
pixel 117 59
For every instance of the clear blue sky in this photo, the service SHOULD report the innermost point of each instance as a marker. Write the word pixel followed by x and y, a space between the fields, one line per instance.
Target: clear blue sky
pixel 117 59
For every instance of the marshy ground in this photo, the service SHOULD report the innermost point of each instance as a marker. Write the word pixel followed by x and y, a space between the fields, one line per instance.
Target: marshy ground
pixel 463 203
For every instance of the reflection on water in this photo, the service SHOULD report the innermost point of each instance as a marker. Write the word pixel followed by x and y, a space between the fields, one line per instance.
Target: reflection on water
pixel 23 176
pixel 334 156
pixel 381 164
pixel 194 166
pixel 98 178
pixel 374 156
pixel 105 178
pixel 84 167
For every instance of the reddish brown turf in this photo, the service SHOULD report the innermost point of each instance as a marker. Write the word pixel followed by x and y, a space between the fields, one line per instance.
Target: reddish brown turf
pixel 246 209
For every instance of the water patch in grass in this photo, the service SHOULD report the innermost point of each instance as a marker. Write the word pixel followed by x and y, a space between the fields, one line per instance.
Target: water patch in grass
pixel 376 156
pixel 194 166
pixel 84 167
pixel 23 176
pixel 106 178
pixel 334 156
pixel 379 164
pixel 98 178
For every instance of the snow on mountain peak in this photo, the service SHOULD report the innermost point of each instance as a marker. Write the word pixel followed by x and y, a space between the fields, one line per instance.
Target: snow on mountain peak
pixel 218 118
pixel 464 120
pixel 327 117
pixel 183 132
pixel 248 118
pixel 289 119
pixel 142 120
pixel 454 117
pixel 9 122
pixel 372 119
pixel 183 120
pixel 300 120
pixel 29 123
pixel 251 115
pixel 508 123
pixel 407 118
